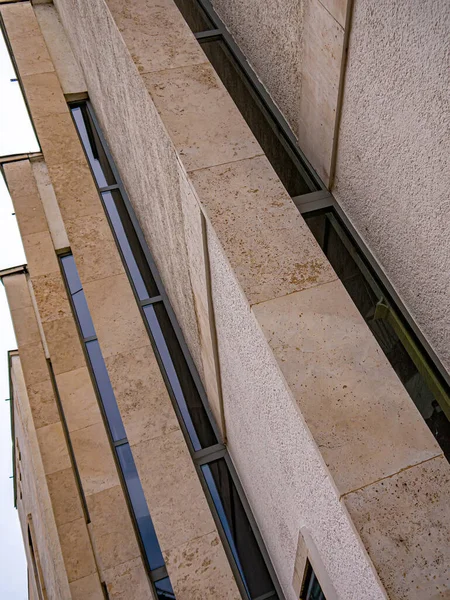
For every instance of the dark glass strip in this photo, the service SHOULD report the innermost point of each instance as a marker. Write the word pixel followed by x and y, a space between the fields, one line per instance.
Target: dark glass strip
pixel 164 589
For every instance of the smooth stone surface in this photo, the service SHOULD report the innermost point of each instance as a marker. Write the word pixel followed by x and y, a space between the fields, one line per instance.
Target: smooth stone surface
pixel 200 569
pixel 25 326
pixel 266 240
pixel 51 297
pixel 94 459
pixel 362 419
pixel 117 320
pixel 115 539
pixel 58 137
pixel 141 395
pixel 201 118
pixel 17 291
pixel 337 9
pixel 41 257
pixel 174 495
pixel 42 403
pixel 76 549
pixel 156 34
pixel 31 57
pixel 78 398
pixel 44 94
pixel 64 345
pixel 94 248
pixel 128 576
pixel 87 588
pixel 20 21
pixel 404 523
pixel 64 496
pixel 53 447
pixel 34 365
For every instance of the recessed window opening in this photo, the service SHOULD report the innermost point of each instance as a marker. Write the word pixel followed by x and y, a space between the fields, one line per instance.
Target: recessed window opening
pixel 311 589
pixel 242 542
pixel 127 468
pixel 35 562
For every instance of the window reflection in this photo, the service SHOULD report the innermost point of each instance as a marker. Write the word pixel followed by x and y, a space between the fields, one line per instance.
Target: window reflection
pixel 83 314
pixel 164 589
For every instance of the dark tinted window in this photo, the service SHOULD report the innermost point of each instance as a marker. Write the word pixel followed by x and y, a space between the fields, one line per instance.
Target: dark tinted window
pixel 130 246
pixel 83 314
pixel 140 509
pixel 311 587
pixel 164 589
pixel 71 273
pixel 180 378
pixel 106 392
pixel 237 528
pixel 93 148
pixel 194 15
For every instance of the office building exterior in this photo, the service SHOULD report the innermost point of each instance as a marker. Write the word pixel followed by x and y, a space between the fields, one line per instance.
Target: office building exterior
pixel 232 374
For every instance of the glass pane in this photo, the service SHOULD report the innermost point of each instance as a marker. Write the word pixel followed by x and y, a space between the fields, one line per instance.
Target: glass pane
pixel 179 376
pixel 237 528
pixel 164 589
pixel 71 273
pixel 281 157
pixel 194 15
pixel 106 392
pixel 140 508
pixel 312 586
pixel 83 314
pixel 93 148
pixel 130 246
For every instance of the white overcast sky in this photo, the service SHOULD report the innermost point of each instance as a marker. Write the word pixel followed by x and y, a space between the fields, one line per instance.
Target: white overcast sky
pixel 16 136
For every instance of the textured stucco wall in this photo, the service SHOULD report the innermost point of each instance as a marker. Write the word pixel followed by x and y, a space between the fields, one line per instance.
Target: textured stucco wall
pixel 393 175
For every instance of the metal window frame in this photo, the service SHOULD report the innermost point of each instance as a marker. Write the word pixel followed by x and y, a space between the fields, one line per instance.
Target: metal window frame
pixel 211 453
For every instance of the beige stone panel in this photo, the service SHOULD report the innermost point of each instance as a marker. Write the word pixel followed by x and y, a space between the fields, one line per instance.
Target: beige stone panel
pixel 174 495
pixel 337 9
pixel 128 576
pixel 51 297
pixel 156 34
pixel 31 57
pixel 114 535
pixel 75 189
pixel 50 204
pixel 323 41
pixel 43 404
pixel 78 399
pixel 117 320
pixel 25 197
pixel 404 523
pixel 94 459
pixel 64 496
pixel 94 248
pixel 44 94
pixel 20 21
pixel 25 326
pixel 200 116
pixel 76 549
pixel 69 73
pixel 266 240
pixel 87 588
pixel 64 345
pixel 17 291
pixel 200 569
pixel 53 447
pixel 141 394
pixel 58 137
pixel 34 365
pixel 40 253
pixel 362 419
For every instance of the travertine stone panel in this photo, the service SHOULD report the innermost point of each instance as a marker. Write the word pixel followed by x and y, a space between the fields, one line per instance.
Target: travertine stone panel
pixel 40 253
pixel 201 117
pixel 52 443
pixel 42 402
pixel 174 495
pixel 115 539
pixel 34 364
pixel 128 576
pixel 358 412
pixel 141 394
pixel 76 550
pixel 57 136
pixel 25 326
pixel 64 345
pixel 94 247
pixel 50 205
pixel 44 94
pixel 265 238
pixel 110 301
pixel 94 459
pixel 51 297
pixel 87 588
pixel 20 21
pixel 64 495
pixel 78 399
pixel 404 523
pixel 199 569
pixel 323 41
pixel 156 34
pixel 69 73
pixel 31 57
pixel 17 291
pixel 23 190
pixel 337 9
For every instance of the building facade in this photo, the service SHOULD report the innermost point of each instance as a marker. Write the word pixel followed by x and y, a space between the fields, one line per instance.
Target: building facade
pixel 232 371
